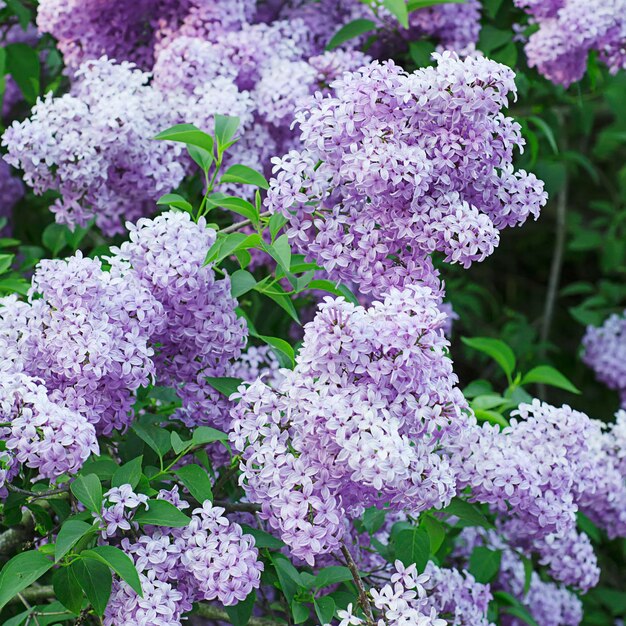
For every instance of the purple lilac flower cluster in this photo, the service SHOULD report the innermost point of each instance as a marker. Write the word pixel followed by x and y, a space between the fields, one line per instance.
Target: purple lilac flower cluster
pixel 93 146
pixel 567 30
pixel 549 604
pixel 604 351
pixel 457 596
pixel 209 559
pixel 43 435
pixel 537 473
pixel 94 336
pixel 400 602
pixel 201 331
pixel 11 192
pixel 360 421
pixel 397 166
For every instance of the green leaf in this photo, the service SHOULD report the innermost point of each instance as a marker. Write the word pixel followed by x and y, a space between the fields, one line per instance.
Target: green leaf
pixel 188 134
pixel 20 572
pixel 88 490
pixel 399 9
pixel 521 613
pixel 413 546
pixel 225 128
pixel 546 130
pixel 288 576
pixel 119 562
pixel 467 512
pixel 484 564
pixel 95 580
pixel 436 532
pixel 324 609
pixel 234 204
pixel 175 200
pixel 353 29
pixel 414 5
pixel 22 62
pixel 162 513
pixel 53 237
pixel 245 175
pixel 5 262
pixel 21 12
pixel 491 417
pixel 67 589
pixel 277 221
pixel 201 157
pixel 528 573
pixel 71 532
pixel 225 246
pixel 282 299
pixel 263 539
pixel 157 438
pixel 205 434
pixel 178 445
pixel 321 284
pixel 241 612
pixel 331 575
pixel 241 282
pixel 281 252
pixel 197 482
pixel 300 612
pixel 373 519
pixel 421 52
pixel 103 468
pixel 226 386
pixel 496 349
pixel 549 376
pixel 282 346
pixel 128 474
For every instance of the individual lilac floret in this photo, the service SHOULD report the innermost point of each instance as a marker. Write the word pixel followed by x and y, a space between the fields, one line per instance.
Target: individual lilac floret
pixel 119 508
pixel 43 435
pixel 604 351
pixel 94 147
pixel 396 166
pixel 567 30
pixel 202 332
pixel 359 422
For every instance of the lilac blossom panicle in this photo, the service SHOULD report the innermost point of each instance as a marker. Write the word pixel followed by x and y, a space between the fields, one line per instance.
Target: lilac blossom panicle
pixel 537 474
pixel 360 421
pixel 604 351
pixel 400 602
pixel 210 559
pixel 568 30
pixel 549 604
pixel 396 166
pixel 202 333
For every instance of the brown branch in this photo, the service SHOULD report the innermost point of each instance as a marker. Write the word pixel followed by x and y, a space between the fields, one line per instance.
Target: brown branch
pixel 363 597
pixel 240 225
pixel 35 594
pixel 35 495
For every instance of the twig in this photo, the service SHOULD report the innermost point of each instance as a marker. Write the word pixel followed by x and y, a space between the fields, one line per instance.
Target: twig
pixel 35 495
pixel 363 598
pixel 36 594
pixel 238 507
pixel 29 608
pixel 212 612
pixel 240 225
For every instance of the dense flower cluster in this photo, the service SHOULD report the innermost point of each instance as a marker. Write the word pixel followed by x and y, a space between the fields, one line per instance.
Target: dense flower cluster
pixel 548 603
pixel 208 559
pixel 43 435
pixel 400 602
pixel 457 596
pixel 397 166
pixel 604 351
pixel 359 422
pixel 96 336
pixel 568 30
pixel 93 146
